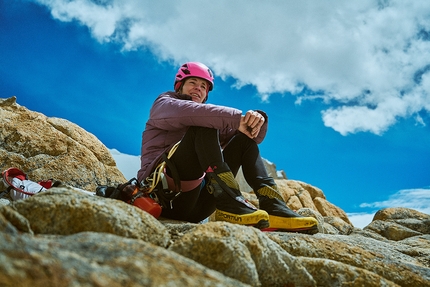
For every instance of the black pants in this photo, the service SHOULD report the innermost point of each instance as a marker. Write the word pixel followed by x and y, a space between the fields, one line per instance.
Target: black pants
pixel 199 149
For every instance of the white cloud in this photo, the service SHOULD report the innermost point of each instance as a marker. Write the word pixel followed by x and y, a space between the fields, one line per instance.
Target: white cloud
pixel 369 59
pixel 357 118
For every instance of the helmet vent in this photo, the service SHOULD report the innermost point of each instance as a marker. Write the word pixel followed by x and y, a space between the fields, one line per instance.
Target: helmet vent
pixel 186 71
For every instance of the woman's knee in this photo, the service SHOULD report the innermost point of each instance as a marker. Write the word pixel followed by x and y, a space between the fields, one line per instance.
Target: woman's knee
pixel 182 205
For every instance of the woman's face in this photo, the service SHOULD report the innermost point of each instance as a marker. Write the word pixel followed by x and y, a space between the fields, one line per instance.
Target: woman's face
pixel 196 88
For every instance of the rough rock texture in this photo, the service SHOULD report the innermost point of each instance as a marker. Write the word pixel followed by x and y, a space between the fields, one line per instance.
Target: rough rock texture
pixel 360 254
pixel 53 147
pixel 98 259
pixel 49 212
pixel 69 237
pixel 245 254
pixel 398 224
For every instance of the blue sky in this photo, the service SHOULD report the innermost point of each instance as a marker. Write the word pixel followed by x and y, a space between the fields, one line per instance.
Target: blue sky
pixel 346 84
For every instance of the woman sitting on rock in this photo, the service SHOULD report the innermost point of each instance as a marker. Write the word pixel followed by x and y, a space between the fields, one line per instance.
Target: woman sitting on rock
pixel 214 142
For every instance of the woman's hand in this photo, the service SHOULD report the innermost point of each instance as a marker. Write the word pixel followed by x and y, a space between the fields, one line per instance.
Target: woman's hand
pixel 251 123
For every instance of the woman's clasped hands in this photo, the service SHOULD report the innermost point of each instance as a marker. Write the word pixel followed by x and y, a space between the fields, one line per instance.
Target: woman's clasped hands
pixel 251 123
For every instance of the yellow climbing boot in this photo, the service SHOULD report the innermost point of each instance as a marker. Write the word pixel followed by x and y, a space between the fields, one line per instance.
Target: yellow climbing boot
pixel 231 206
pixel 280 216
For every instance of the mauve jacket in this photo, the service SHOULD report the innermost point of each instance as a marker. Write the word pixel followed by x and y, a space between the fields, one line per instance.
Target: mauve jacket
pixel 172 114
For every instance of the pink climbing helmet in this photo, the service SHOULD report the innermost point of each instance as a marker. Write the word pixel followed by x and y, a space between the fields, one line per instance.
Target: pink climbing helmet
pixel 194 69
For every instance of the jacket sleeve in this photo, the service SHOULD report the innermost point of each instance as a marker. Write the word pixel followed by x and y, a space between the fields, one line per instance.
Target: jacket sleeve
pixel 171 113
pixel 263 130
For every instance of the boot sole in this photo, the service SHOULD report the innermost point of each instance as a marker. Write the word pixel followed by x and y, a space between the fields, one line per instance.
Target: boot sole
pixel 258 219
pixel 261 224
